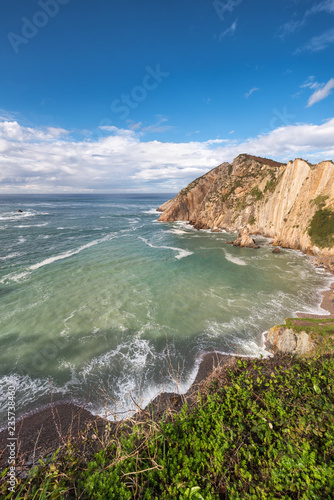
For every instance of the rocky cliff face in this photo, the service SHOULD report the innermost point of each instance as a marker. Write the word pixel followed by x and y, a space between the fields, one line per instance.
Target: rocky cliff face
pixel 272 199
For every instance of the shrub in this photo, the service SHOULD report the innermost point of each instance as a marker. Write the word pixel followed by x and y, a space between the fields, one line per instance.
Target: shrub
pixel 320 200
pixel 256 193
pixel 321 229
pixel 265 430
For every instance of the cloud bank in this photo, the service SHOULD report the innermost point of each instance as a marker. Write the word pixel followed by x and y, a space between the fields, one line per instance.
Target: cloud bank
pixel 51 160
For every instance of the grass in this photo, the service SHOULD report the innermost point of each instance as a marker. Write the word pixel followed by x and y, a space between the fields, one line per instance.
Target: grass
pixel 263 429
pixel 257 193
pixel 320 330
pixel 320 200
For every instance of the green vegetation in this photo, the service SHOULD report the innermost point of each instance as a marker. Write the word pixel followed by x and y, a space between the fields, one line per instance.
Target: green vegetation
pixel 242 203
pixel 321 229
pixel 263 429
pixel 234 186
pixel 257 193
pixel 320 200
pixel 272 183
pixel 252 220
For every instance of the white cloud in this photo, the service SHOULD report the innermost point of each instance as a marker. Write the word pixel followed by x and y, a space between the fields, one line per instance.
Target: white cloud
pixel 316 43
pixel 248 94
pixel 290 27
pixel 294 24
pixel 229 31
pixel 322 91
pixel 310 83
pixel 324 6
pixel 44 160
pixel 227 6
pixel 15 132
pixel 319 42
pixel 157 127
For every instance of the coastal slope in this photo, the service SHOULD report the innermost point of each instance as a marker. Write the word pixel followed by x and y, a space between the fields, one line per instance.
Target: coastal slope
pixel 292 203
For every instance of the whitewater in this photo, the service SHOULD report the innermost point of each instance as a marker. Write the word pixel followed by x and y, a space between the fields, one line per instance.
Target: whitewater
pixel 102 304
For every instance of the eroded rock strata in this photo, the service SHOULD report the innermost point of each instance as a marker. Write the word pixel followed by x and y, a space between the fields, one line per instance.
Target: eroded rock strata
pixel 285 340
pixel 269 198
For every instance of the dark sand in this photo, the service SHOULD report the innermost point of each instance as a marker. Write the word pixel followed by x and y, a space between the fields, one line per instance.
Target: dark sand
pixel 41 433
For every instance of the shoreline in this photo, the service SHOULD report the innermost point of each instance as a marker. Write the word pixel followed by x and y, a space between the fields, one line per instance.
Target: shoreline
pixel 41 431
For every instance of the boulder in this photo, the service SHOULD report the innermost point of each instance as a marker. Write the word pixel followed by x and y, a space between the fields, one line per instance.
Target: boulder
pixel 285 340
pixel 276 250
pixel 244 239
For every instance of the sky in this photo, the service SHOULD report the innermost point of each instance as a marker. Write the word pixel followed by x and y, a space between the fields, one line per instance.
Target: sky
pixel 106 96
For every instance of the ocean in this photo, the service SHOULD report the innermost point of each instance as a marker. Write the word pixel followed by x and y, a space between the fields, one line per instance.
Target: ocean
pixel 101 303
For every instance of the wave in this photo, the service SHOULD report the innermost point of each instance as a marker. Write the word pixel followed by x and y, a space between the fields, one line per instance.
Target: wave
pixel 19 215
pixel 136 355
pixel 151 211
pixel 177 231
pixel 11 256
pixel 14 277
pixel 33 225
pixel 181 252
pixel 234 259
pixel 27 390
pixel 50 260
pixel 65 255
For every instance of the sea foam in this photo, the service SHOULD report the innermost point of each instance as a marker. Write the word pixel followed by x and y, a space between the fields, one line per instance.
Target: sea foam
pixel 181 252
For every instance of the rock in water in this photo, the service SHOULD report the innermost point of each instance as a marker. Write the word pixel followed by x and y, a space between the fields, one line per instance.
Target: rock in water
pixel 276 250
pixel 20 211
pixel 244 239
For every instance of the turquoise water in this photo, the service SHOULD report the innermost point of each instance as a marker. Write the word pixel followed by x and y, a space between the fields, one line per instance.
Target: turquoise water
pixel 103 303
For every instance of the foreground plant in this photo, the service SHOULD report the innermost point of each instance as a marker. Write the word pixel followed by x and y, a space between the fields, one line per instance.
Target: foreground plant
pixel 263 431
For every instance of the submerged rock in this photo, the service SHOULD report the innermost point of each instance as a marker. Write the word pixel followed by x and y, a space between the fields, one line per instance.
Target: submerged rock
pixel 285 340
pixel 244 239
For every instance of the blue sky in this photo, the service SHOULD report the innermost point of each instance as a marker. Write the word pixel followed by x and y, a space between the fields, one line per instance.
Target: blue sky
pixel 146 96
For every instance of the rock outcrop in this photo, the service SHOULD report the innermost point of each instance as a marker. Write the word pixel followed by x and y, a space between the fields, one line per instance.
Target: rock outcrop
pixel 272 199
pixel 244 239
pixel 286 340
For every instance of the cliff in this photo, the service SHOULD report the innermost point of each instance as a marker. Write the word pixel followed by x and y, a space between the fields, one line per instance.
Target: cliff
pixel 292 203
